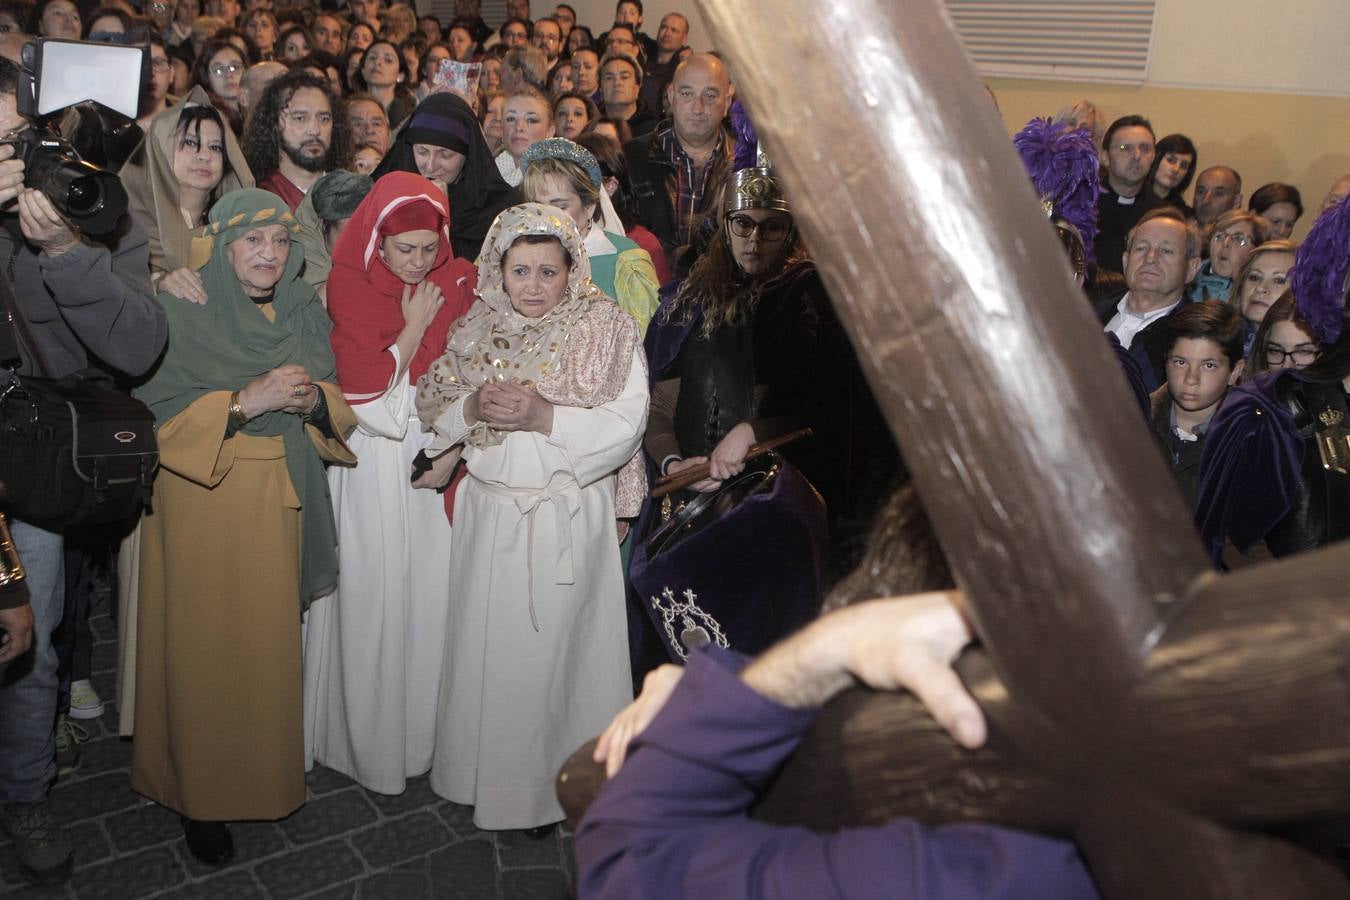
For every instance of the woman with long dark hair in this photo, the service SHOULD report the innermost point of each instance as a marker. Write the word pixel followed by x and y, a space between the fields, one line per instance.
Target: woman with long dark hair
pixel 1174 163
pixel 218 71
pixel 188 161
pixel 384 75
pixel 1285 340
pixel 1279 204
pixel 714 315
pixel 743 350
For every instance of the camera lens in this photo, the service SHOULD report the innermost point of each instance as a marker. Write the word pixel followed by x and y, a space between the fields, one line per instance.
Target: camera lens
pixel 93 198
pixel 84 196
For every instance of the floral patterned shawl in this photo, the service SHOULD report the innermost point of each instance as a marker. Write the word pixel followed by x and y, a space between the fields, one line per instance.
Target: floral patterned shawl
pixel 578 354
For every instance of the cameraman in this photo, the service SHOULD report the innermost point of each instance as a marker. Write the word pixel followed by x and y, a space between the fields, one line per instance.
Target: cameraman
pixel 85 303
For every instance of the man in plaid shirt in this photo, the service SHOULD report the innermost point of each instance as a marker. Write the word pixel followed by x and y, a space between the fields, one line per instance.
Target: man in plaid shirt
pixel 676 170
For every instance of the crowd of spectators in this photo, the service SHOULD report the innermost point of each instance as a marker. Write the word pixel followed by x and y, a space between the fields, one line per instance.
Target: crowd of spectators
pixel 423 309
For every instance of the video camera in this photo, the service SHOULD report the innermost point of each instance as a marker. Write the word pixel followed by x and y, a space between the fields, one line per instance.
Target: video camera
pixel 57 74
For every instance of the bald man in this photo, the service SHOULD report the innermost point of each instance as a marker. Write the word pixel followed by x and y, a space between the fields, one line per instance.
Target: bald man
pixel 671 51
pixel 1217 190
pixel 255 80
pixel 1339 190
pixel 689 159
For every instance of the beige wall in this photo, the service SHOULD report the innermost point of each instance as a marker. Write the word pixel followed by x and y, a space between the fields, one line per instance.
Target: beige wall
pixel 1287 120
pixel 1297 46
pixel 1304 140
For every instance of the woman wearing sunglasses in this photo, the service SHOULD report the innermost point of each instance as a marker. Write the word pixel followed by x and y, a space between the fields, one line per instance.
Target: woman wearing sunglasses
pixel 733 296
pixel 744 350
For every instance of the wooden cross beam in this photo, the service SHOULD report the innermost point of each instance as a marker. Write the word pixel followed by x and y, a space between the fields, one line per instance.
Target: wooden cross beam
pixel 1138 702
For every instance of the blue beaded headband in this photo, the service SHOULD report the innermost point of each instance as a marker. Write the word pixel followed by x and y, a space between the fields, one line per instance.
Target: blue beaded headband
pixel 562 148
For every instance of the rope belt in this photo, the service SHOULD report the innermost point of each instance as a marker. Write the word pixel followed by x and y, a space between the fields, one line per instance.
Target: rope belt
pixel 565 501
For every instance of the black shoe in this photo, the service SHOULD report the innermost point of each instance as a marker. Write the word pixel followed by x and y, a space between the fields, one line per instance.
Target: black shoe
pixel 543 831
pixel 209 842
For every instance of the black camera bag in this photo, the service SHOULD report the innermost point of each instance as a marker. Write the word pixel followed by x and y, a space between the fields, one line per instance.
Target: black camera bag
pixel 73 450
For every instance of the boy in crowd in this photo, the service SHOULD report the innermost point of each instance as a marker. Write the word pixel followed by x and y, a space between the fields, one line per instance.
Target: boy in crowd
pixel 1204 358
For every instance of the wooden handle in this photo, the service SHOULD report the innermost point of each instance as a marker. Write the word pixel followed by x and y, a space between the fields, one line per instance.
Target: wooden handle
pixel 668 484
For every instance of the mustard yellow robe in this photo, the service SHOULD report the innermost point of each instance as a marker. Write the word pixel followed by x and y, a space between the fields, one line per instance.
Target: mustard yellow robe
pixel 218 722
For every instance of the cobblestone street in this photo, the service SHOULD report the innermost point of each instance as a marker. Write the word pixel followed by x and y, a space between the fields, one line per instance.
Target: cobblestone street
pixel 345 842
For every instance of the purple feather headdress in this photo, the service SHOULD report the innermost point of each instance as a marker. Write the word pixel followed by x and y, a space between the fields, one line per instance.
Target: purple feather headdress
pixel 1321 265
pixel 1065 171
pixel 747 141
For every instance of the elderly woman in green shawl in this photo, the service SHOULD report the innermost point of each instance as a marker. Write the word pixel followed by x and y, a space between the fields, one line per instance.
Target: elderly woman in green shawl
pixel 241 537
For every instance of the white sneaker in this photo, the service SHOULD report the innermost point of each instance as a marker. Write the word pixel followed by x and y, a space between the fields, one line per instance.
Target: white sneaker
pixel 84 701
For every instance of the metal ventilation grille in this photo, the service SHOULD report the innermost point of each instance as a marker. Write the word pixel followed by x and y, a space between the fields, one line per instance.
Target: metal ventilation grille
pixel 1075 40
pixel 492 11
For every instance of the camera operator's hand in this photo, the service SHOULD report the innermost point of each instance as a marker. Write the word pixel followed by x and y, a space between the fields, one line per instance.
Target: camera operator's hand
pixel 43 225
pixel 11 175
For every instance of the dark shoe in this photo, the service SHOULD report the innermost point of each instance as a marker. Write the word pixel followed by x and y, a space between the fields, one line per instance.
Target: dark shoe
pixel 209 842
pixel 42 847
pixel 543 831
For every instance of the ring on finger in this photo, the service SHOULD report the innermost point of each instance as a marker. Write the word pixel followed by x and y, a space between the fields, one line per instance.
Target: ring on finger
pixel 299 390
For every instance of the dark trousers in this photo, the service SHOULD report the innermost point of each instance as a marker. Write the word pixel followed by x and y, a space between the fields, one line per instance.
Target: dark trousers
pixel 90 558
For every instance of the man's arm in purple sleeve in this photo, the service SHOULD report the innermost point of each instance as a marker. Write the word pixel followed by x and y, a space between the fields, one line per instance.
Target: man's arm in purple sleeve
pixel 674 822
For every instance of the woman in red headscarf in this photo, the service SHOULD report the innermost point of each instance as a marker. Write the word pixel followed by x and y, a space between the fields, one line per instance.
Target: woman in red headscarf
pixel 373 649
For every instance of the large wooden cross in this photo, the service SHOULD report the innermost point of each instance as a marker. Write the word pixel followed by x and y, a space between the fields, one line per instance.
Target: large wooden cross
pixel 1158 713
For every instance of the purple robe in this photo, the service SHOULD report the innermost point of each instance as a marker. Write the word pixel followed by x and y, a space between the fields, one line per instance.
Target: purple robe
pixel 674 822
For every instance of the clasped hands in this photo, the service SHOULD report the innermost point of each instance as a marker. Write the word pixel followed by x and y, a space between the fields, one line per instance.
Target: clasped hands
pixel 509 406
pixel 284 389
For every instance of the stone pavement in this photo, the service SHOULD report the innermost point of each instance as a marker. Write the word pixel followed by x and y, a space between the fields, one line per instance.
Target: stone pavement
pixel 346 842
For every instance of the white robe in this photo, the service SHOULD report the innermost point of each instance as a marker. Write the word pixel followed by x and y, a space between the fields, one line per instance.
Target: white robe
pixel 537 661
pixel 374 648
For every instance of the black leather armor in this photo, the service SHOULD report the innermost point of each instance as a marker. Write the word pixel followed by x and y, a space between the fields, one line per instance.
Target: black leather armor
pixel 1320 514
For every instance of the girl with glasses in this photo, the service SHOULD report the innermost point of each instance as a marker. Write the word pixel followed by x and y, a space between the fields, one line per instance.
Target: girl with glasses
pixel 218 71
pixel 1285 340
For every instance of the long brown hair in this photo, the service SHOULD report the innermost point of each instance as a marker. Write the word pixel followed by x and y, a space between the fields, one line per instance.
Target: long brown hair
pixel 1282 310
pixel 903 555
pixel 718 286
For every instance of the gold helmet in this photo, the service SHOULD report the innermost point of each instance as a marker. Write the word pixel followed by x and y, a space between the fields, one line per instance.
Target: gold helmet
pixel 755 188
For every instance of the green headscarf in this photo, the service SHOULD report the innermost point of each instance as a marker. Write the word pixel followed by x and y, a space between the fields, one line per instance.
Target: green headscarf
pixel 228 342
